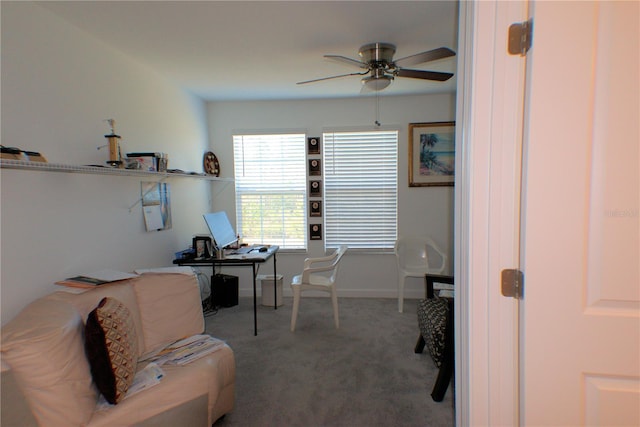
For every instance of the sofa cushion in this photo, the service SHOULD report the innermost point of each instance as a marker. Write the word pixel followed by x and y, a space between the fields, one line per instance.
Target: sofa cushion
pixel 111 344
pixel 432 322
pixel 170 308
pixel 86 300
pixel 207 377
pixel 44 347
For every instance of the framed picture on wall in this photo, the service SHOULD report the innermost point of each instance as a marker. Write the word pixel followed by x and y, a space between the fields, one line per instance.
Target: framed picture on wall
pixel 431 154
pixel 313 145
pixel 315 167
pixel 315 208
pixel 315 231
pixel 315 188
pixel 156 205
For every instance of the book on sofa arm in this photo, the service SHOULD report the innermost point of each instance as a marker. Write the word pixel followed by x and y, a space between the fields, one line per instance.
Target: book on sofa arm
pixel 187 350
pixel 97 278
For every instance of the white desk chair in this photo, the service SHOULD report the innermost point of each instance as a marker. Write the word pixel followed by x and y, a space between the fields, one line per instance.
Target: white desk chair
pixel 413 261
pixel 318 274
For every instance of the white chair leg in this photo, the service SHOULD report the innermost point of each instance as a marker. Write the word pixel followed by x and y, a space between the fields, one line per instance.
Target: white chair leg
pixel 296 304
pixel 334 300
pixel 400 293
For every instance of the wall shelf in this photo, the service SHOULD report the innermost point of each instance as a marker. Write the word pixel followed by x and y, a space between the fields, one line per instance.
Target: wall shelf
pixel 99 170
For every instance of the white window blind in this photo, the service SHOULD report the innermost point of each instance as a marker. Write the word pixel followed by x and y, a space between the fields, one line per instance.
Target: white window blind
pixel 270 178
pixel 360 178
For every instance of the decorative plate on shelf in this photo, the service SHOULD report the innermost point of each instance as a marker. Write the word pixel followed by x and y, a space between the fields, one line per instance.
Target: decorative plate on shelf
pixel 211 164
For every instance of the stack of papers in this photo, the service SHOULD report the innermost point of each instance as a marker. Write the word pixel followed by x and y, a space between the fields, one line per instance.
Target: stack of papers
pixel 147 377
pixel 144 379
pixel 187 350
pixel 91 280
pixel 167 270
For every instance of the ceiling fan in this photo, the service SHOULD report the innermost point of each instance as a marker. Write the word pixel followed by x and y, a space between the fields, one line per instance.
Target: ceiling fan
pixel 377 60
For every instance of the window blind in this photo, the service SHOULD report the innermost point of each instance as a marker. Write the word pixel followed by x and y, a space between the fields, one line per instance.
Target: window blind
pixel 360 178
pixel 270 189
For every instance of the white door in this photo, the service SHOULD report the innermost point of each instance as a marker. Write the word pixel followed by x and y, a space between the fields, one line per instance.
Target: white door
pixel 580 316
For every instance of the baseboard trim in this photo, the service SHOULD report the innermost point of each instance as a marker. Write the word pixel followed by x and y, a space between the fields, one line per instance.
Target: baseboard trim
pixel 349 293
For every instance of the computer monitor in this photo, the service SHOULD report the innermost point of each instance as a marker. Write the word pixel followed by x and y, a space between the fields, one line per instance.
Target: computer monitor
pixel 221 229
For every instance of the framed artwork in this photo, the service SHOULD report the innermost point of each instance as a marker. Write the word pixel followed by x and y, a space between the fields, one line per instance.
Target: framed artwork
pixel 315 208
pixel 315 188
pixel 156 205
pixel 313 145
pixel 431 154
pixel 315 231
pixel 315 167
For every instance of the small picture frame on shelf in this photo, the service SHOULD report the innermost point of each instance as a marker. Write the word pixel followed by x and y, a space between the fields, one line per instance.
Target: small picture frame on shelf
pixel 313 145
pixel 315 167
pixel 315 208
pixel 315 188
pixel 315 231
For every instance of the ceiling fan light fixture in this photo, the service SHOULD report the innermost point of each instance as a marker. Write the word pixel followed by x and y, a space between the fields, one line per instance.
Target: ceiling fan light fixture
pixel 377 83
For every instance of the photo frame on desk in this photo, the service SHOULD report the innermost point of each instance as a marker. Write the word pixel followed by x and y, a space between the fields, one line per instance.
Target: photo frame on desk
pixel 202 246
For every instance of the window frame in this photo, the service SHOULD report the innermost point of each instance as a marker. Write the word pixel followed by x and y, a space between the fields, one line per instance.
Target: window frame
pixel 391 181
pixel 242 188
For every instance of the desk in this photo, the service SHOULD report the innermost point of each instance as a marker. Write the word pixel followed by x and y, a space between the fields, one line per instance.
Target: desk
pixel 253 260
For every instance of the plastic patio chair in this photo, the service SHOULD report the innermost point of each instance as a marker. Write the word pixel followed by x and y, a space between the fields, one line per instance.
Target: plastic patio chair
pixel 412 256
pixel 319 274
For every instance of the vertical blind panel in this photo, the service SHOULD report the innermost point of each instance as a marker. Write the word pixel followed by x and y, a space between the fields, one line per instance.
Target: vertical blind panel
pixel 361 189
pixel 270 189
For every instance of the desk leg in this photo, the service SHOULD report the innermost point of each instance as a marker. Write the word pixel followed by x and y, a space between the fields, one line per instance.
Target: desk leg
pixel 275 283
pixel 255 309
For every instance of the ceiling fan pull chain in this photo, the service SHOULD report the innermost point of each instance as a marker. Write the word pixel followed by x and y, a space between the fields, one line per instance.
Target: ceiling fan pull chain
pixel 377 122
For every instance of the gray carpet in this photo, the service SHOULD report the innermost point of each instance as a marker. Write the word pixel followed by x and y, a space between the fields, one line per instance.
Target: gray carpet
pixel 363 374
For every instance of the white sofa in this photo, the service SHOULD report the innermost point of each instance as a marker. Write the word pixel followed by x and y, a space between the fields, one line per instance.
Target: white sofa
pixel 44 360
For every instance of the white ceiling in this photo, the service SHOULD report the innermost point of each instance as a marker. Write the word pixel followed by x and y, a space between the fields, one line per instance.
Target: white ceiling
pixel 253 50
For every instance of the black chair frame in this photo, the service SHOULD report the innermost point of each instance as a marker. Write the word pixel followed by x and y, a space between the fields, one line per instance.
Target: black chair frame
pixel 446 371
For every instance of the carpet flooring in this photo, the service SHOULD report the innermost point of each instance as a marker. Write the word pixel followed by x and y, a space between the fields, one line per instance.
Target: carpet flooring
pixel 363 374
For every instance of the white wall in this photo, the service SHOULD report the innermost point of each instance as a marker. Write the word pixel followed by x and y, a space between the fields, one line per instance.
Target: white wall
pixel 421 210
pixel 58 84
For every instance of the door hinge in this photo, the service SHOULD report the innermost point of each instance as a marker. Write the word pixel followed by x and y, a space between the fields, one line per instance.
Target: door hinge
pixel 520 37
pixel 512 283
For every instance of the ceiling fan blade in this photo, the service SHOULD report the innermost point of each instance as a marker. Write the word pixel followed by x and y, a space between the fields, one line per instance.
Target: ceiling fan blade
pixel 430 55
pixel 332 77
pixel 428 75
pixel 348 61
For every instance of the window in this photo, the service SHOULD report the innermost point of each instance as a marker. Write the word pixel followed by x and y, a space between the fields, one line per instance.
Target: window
pixel 270 179
pixel 361 187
